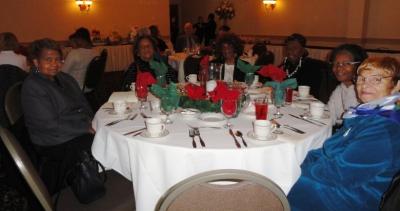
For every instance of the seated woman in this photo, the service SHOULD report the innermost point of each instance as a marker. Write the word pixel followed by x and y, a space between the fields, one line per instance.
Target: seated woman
pixel 306 70
pixel 9 47
pixel 56 113
pixel 229 48
pixel 144 51
pixel 345 60
pixel 355 166
pixel 78 58
pixel 264 57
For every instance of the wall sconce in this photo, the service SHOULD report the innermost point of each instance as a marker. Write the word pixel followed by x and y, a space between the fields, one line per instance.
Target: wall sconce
pixel 84 5
pixel 269 4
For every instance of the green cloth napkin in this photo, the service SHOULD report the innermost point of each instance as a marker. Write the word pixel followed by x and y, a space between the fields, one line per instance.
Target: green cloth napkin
pixel 247 69
pixel 279 88
pixel 160 70
pixel 202 105
pixel 169 96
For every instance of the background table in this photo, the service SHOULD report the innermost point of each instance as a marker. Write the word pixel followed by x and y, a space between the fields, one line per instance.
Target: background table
pixel 155 165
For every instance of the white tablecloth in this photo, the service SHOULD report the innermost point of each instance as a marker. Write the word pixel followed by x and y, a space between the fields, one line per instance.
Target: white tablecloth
pixel 155 165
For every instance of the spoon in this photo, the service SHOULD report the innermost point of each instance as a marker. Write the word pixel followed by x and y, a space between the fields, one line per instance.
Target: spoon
pixel 307 117
pixel 240 134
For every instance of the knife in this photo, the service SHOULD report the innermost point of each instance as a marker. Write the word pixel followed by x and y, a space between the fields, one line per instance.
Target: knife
pixel 293 129
pixel 128 133
pixel 234 138
pixel 305 120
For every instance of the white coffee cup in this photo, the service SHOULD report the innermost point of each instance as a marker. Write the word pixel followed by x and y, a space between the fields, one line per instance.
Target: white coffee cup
pixel 263 128
pixel 304 91
pixel 317 109
pixel 155 126
pixel 119 106
pixel 132 86
pixel 192 78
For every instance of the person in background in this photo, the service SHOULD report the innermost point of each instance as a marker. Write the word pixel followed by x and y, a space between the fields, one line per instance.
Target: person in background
pixel 345 60
pixel 297 65
pixel 200 28
pixel 263 57
pixel 78 59
pixel 356 165
pixel 57 115
pixel 155 33
pixel 187 40
pixel 229 48
pixel 84 34
pixel 144 51
pixel 9 47
pixel 211 26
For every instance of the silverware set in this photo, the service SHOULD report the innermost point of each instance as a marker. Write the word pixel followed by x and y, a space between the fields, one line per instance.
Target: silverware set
pixel 288 127
pixel 129 117
pixel 314 122
pixel 235 139
pixel 193 132
pixel 138 131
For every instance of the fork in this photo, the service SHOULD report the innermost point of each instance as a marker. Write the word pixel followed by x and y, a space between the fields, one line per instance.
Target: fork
pixel 197 133
pixel 191 134
pixel 119 120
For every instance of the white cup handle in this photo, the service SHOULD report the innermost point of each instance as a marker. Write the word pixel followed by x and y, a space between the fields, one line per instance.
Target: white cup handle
pixel 187 78
pixel 162 127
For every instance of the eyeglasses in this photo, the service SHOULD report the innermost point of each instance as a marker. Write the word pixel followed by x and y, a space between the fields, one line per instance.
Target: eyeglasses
pixel 343 64
pixel 372 79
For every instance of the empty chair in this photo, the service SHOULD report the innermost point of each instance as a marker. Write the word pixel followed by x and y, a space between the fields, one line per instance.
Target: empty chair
pixel 93 77
pixel 250 191
pixel 119 194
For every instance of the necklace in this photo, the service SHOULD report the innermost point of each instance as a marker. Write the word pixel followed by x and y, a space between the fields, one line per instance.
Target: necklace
pixel 295 70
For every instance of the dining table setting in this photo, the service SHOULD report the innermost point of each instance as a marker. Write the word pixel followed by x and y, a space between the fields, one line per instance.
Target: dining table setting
pixel 157 135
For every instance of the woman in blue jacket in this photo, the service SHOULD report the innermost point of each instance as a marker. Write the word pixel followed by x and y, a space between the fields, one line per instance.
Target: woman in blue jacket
pixel 355 166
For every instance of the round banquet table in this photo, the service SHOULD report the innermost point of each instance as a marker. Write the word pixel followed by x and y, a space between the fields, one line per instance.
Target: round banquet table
pixel 156 164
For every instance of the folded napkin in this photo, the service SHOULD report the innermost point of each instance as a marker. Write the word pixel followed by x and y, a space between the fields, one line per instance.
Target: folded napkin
pixel 279 88
pixel 273 72
pixel 160 70
pixel 169 96
pixel 248 69
pixel 195 92
pixel 145 78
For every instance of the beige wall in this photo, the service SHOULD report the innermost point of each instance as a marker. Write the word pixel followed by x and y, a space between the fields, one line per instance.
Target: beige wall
pixel 33 19
pixel 325 22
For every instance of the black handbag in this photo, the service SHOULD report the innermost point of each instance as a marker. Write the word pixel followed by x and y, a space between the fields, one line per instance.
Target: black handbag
pixel 85 180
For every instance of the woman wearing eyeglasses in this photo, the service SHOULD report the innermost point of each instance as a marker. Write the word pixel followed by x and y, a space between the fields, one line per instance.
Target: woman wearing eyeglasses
pixel 355 166
pixel 345 60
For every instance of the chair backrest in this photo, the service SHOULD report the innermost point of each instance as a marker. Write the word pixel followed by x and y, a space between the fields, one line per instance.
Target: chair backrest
pixel 12 103
pixel 95 70
pixel 191 65
pixel 26 168
pixel 9 75
pixel 250 191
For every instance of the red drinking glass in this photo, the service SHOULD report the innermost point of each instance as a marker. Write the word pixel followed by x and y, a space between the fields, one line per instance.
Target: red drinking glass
pixel 289 95
pixel 141 93
pixel 261 109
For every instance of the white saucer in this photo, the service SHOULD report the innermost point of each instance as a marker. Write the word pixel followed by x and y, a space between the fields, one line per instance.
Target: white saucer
pixel 309 97
pixel 324 116
pixel 271 136
pixel 112 112
pixel 212 119
pixel 146 134
pixel 190 113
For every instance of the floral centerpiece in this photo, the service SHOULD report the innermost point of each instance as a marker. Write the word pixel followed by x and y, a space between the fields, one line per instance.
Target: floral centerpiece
pixel 225 10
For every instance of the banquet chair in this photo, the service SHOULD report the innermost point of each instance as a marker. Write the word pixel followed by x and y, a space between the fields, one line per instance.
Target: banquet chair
pixel 119 195
pixel 191 65
pixel 12 103
pixel 93 77
pixel 245 191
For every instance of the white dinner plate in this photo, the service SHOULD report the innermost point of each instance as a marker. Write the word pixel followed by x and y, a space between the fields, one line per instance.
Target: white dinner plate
pixel 190 113
pixel 212 119
pixel 271 137
pixel 146 134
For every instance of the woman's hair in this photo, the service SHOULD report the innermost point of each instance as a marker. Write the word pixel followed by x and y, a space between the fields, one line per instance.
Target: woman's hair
pixel 387 64
pixel 230 39
pixel 137 42
pixel 296 37
pixel 8 42
pixel 260 48
pixel 36 48
pixel 357 52
pixel 154 31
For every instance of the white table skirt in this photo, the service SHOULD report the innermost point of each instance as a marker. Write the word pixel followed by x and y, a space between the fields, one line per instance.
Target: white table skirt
pixel 155 165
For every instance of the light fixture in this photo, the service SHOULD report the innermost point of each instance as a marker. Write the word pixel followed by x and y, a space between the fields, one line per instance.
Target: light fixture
pixel 269 4
pixel 84 5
